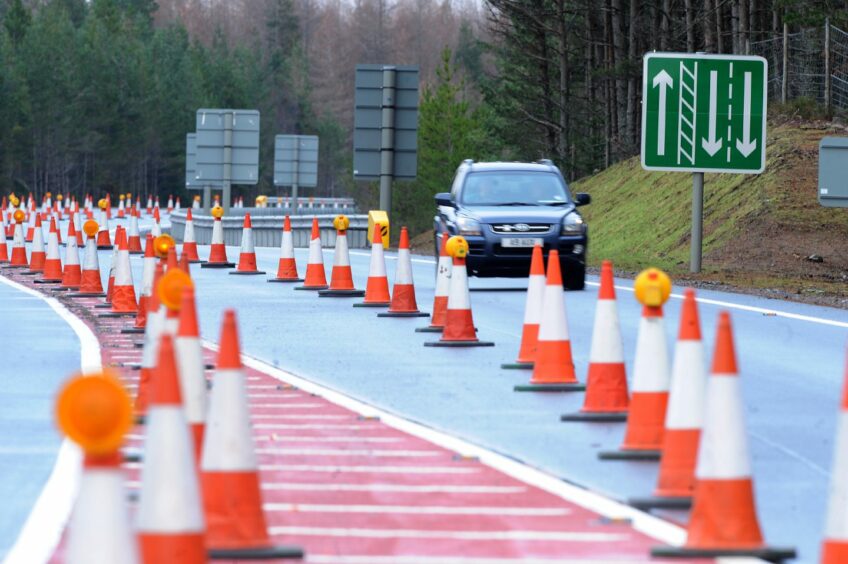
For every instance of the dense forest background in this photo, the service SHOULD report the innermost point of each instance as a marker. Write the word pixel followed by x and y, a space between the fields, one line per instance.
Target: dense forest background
pixel 98 95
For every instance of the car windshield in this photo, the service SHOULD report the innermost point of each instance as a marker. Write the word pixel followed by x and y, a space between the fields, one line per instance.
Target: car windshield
pixel 504 188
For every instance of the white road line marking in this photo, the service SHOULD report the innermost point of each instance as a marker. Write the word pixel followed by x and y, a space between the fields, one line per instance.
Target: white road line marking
pixel 419 510
pixel 397 488
pixel 544 536
pixel 369 469
pixel 346 452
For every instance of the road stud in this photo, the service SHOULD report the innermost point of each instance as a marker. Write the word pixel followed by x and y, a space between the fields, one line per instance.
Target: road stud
pixel 553 368
pixel 287 267
pixel 247 256
pixel 723 521
pixel 94 411
pixel 403 292
pixel 459 323
pixel 217 250
pixel 341 277
pixel 532 313
pixel 377 287
pixel 232 497
pixel 315 278
pixel 606 397
pixel 189 241
pixel 440 299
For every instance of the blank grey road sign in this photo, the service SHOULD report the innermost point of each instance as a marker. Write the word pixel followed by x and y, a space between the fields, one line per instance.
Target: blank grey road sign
pixel 367 121
pixel 833 162
pixel 211 135
pixel 296 152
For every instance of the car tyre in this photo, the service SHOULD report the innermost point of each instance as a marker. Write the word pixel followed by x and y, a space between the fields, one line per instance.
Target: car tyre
pixel 574 277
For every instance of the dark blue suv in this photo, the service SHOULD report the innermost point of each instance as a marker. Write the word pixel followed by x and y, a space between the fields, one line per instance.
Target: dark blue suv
pixel 503 209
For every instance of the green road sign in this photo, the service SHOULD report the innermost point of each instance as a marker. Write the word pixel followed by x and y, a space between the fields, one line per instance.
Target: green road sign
pixel 704 113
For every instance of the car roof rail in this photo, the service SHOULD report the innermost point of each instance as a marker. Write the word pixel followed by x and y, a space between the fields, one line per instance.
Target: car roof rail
pixel 548 162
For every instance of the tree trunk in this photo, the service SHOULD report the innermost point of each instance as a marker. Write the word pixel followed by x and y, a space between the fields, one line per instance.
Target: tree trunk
pixel 564 132
pixel 619 66
pixel 632 56
pixel 719 21
pixel 744 28
pixel 709 29
pixel 689 18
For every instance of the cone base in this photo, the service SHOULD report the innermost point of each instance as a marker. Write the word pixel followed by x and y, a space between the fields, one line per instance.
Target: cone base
pixel 549 388
pixel 311 288
pixel 117 314
pixel 247 272
pixel 517 366
pixel 596 416
pixel 105 247
pixel 459 344
pixel 285 280
pixel 140 419
pixel 768 553
pixel 131 455
pixel 217 265
pixel 86 295
pixel 13 266
pixel 660 502
pixel 429 329
pixel 66 289
pixel 372 304
pixel 642 455
pixel 136 252
pixel 102 306
pixel 31 272
pixel 330 293
pixel 48 281
pixel 403 314
pixel 262 553
pixel 133 331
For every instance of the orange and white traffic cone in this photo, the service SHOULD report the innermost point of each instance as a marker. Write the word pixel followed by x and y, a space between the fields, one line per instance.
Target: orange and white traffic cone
pixel 149 205
pixel 170 203
pixel 76 218
pixel 121 214
pixel 606 384
pixel 110 280
pixel 37 254
pixel 459 323
pixel 133 236
pixel 685 415
pixel 835 544
pixel 217 250
pixel 148 281
pixel 31 219
pixel 18 258
pixel 104 241
pixel 156 230
pixel 553 367
pixel 315 278
pixel 123 292
pixel 52 262
pixel 723 521
pixel 190 362
pixel 377 288
pixel 189 241
pixel 229 472
pixel 341 277
pixel 247 255
pixel 72 274
pixel 287 268
pixel 169 520
pixel 403 292
pixel 4 248
pixel 532 313
pixel 90 284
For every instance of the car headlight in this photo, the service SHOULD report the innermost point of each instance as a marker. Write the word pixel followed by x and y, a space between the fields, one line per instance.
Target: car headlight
pixel 468 226
pixel 572 224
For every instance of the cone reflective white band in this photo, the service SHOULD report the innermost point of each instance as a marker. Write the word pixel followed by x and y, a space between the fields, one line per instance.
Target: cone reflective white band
pixel 247 241
pixel 123 272
pixel 315 255
pixel 606 335
pixel 228 443
pixel 723 452
pixel 554 324
pixel 403 274
pixel 189 353
pixel 533 304
pixel 458 297
pixel 650 367
pixel 685 403
pixel 133 230
pixel 287 246
pixel 217 232
pixel 340 255
pixel 90 256
pixel 148 269
pixel 378 262
pixel 188 233
pixel 836 527
pixel 156 230
pixel 444 268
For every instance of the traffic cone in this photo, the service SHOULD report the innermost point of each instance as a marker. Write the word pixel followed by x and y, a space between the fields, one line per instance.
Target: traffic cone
pixel 149 205
pixel 229 473
pixel 52 262
pixel 646 420
pixel 72 274
pixel 123 291
pixel 37 254
pixel 77 221
pixel 134 238
pixel 532 312
pixel 684 417
pixel 121 214
pixel 4 248
pixel 377 288
pixel 217 250
pixel 32 217
pixel 403 293
pixel 723 521
pixel 247 256
pixel 177 204
pixel 459 324
pixel 110 281
pixel 104 241
pixel 341 277
pixel 156 230
pixel 170 203
pixel 189 242
pixel 90 283
pixel 606 384
pixel 315 279
pixel 148 270
pixel 287 268
pixel 169 520
pixel 184 264
pixel 190 362
pixel 19 256
pixel 835 544
pixel 57 218
pixel 553 368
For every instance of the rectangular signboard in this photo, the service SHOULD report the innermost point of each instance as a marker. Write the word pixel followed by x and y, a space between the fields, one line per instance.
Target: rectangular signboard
pixel 296 151
pixel 368 111
pixel 704 113
pixel 211 149
pixel 833 162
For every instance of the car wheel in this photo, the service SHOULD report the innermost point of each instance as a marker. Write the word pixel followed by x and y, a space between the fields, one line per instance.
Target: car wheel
pixel 574 277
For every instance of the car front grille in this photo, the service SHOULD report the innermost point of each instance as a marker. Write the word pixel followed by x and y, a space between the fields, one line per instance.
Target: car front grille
pixel 520 228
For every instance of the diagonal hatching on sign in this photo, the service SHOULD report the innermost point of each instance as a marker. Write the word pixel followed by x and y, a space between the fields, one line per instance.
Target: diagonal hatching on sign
pixel 686 129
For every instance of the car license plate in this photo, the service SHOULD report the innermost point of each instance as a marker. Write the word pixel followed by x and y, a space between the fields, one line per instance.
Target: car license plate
pixel 520 241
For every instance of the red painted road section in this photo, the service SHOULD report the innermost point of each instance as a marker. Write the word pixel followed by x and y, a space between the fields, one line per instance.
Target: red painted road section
pixel 352 489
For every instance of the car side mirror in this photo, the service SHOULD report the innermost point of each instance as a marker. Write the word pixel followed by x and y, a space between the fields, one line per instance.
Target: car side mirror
pixel 445 199
pixel 582 199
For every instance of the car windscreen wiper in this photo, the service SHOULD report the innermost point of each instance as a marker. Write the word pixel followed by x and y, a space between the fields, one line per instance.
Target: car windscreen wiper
pixel 555 203
pixel 514 204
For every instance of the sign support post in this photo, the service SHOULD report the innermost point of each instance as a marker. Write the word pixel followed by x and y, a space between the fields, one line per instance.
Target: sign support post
pixel 387 140
pixel 207 198
pixel 697 221
pixel 228 160
pixel 295 172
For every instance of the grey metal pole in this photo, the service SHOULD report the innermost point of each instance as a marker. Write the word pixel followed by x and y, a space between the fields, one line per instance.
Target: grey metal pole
pixel 697 221
pixel 207 198
pixel 827 83
pixel 295 173
pixel 387 144
pixel 228 160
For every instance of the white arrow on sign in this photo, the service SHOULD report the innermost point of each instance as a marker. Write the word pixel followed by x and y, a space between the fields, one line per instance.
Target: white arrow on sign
pixel 745 145
pixel 664 81
pixel 710 144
